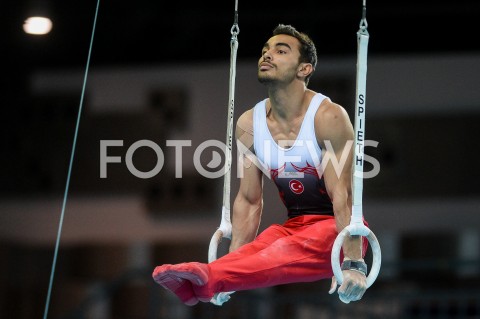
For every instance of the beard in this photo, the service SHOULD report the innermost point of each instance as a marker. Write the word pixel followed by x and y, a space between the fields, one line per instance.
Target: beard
pixel 268 79
pixel 265 78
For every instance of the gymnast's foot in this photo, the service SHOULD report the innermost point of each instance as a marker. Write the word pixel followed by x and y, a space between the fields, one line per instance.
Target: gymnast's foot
pixel 185 280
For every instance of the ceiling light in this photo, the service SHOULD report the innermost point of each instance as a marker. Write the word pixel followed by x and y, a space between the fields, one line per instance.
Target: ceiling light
pixel 37 25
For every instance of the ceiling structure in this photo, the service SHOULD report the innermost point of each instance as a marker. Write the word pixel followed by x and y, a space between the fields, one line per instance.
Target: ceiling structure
pixel 146 31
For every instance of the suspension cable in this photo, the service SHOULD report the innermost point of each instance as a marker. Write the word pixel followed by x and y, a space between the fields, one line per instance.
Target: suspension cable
pixel 69 174
pixel 225 229
pixel 357 227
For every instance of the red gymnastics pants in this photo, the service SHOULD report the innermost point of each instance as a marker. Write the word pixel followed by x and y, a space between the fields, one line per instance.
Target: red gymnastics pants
pixel 297 251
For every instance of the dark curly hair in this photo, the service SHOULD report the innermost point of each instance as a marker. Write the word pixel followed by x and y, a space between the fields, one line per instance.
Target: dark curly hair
pixel 308 52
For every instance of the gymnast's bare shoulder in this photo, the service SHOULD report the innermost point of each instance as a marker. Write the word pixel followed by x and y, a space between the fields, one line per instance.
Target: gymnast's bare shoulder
pixel 244 129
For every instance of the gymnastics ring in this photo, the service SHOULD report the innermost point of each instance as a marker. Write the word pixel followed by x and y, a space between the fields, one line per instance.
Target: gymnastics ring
pixel 224 231
pixel 354 230
pixel 214 242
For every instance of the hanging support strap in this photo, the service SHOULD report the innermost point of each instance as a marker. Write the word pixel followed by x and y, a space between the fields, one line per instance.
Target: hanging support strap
pixel 357 227
pixel 225 229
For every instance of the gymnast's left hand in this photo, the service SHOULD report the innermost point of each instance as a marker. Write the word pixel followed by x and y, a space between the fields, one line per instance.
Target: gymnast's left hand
pixel 352 288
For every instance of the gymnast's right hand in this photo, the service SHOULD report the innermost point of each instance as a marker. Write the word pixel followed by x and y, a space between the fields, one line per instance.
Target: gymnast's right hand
pixel 353 287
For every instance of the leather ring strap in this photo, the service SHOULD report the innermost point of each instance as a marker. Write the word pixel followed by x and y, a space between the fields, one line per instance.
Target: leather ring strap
pixel 355 265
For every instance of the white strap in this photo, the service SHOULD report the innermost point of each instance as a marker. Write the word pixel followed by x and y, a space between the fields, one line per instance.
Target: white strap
pixel 360 108
pixel 225 229
pixel 356 226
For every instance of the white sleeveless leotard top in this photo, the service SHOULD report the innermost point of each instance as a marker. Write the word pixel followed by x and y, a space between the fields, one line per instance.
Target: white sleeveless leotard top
pixel 295 170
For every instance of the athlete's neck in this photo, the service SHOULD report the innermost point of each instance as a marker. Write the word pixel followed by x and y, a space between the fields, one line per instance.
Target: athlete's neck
pixel 286 105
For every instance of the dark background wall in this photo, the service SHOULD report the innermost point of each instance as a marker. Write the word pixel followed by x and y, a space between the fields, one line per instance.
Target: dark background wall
pixel 160 72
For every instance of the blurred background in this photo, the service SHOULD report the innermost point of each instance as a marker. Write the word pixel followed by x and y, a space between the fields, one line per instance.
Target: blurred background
pixel 159 72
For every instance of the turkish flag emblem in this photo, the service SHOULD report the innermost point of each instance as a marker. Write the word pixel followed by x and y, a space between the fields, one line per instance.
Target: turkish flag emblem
pixel 296 186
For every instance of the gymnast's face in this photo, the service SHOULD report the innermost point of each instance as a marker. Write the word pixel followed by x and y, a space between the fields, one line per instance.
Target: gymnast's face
pixel 280 58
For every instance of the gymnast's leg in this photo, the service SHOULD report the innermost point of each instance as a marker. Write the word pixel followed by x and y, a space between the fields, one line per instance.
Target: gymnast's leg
pixel 179 280
pixel 302 255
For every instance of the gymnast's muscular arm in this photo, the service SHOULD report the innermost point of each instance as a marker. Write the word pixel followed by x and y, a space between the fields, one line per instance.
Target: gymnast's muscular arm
pixel 248 204
pixel 333 130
